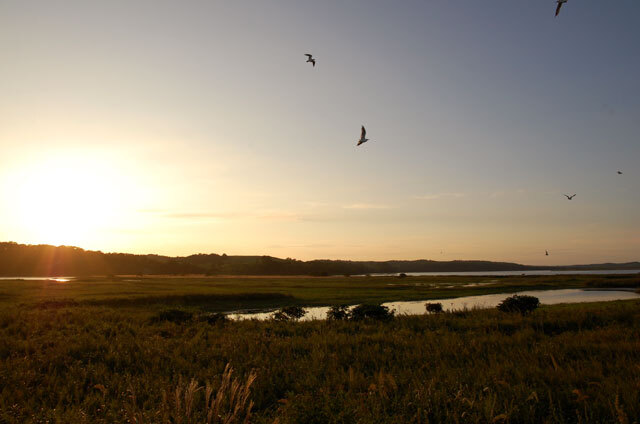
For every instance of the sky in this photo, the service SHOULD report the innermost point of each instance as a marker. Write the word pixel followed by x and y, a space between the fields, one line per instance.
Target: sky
pixel 178 127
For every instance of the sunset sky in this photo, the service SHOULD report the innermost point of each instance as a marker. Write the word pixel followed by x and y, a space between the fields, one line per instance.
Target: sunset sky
pixel 178 127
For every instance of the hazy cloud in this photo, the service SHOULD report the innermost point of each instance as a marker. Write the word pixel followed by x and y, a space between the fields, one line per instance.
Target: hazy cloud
pixel 265 214
pixel 501 193
pixel 439 196
pixel 301 246
pixel 204 215
pixel 164 213
pixel 312 204
pixel 278 215
pixel 366 206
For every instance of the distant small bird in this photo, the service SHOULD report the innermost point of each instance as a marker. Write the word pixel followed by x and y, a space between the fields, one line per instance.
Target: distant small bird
pixel 310 59
pixel 362 137
pixel 619 172
pixel 569 197
pixel 546 252
pixel 560 3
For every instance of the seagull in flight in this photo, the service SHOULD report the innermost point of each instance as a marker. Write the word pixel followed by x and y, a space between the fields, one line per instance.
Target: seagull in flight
pixel 569 197
pixel 619 172
pixel 362 137
pixel 560 3
pixel 310 59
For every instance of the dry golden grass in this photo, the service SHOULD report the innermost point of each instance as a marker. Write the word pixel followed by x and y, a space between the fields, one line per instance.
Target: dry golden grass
pixel 227 402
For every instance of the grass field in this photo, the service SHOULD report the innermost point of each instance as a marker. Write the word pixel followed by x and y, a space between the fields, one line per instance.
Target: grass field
pixel 231 293
pixel 94 351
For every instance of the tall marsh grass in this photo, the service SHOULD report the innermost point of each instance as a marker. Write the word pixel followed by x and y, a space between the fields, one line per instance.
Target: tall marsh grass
pixel 227 402
pixel 96 364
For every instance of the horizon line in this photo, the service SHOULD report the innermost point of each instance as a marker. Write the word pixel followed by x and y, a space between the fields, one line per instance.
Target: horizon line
pixel 321 259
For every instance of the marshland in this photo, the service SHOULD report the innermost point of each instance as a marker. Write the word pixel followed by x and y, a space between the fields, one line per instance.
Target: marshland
pixel 110 349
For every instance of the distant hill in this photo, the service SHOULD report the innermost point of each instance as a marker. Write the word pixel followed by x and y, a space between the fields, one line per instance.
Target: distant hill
pixel 48 261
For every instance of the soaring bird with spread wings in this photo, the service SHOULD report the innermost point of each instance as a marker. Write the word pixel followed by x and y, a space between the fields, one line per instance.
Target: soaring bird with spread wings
pixel 363 134
pixel 569 197
pixel 310 59
pixel 560 3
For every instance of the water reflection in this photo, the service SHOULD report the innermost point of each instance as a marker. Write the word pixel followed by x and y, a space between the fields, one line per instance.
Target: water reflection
pixel 56 279
pixel 547 297
pixel 508 273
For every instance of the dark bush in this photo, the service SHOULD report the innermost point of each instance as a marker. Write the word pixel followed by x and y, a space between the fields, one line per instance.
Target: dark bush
pixel 402 275
pixel 434 308
pixel 280 316
pixel 377 312
pixel 177 316
pixel 338 313
pixel 519 303
pixel 289 313
pixel 216 318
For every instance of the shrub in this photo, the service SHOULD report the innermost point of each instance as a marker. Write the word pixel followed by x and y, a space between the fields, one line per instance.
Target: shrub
pixel 376 312
pixel 434 308
pixel 216 318
pixel 402 275
pixel 338 313
pixel 519 303
pixel 280 316
pixel 177 316
pixel 289 313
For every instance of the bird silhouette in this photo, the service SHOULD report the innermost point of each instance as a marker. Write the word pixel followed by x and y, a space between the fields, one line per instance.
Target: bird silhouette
pixel 362 137
pixel 560 3
pixel 619 172
pixel 546 253
pixel 310 59
pixel 569 197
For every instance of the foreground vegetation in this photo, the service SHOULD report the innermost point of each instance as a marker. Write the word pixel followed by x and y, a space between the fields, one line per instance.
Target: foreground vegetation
pixel 98 363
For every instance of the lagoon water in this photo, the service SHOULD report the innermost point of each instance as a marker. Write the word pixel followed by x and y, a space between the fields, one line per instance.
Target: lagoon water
pixel 536 272
pixel 547 297
pixel 57 279
pixel 469 273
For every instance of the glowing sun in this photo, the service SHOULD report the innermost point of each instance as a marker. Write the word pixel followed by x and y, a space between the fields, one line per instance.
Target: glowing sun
pixel 68 199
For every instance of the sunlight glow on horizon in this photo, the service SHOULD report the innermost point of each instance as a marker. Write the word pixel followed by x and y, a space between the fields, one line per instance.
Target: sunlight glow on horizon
pixel 69 197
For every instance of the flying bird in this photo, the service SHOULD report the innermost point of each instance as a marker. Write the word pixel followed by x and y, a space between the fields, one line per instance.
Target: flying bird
pixel 619 172
pixel 546 252
pixel 362 137
pixel 560 3
pixel 569 197
pixel 310 59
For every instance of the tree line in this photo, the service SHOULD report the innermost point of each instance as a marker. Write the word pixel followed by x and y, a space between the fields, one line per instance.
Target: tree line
pixel 45 260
